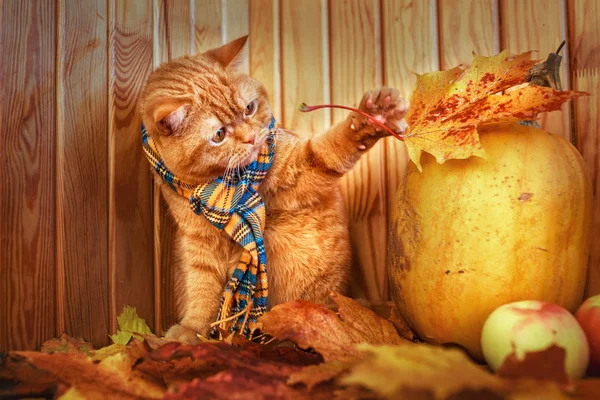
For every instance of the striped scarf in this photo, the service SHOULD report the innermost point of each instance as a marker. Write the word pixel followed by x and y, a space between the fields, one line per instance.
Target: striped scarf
pixel 232 204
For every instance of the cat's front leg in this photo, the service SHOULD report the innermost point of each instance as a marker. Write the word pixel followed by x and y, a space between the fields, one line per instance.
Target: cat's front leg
pixel 341 146
pixel 200 289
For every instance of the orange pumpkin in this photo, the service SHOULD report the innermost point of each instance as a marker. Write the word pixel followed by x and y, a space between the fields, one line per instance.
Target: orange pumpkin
pixel 470 235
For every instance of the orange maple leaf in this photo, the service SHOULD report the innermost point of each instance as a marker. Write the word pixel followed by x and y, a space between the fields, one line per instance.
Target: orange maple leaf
pixel 448 106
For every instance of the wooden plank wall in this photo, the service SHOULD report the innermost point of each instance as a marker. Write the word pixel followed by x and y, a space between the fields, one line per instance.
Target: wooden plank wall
pixel 84 231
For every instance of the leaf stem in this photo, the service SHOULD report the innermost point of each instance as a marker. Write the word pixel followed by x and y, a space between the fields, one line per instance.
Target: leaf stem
pixel 560 47
pixel 306 108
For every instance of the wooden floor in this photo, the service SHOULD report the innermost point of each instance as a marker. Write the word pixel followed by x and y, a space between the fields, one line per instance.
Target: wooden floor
pixel 83 231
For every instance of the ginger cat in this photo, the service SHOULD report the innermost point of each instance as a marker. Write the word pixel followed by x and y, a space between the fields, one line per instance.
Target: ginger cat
pixel 208 119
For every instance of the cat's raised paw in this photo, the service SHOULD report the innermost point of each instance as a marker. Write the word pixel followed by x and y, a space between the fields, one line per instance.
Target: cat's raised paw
pixel 183 334
pixel 386 106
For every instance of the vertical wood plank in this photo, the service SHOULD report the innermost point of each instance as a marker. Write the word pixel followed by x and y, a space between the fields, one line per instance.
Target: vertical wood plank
pixel 304 64
pixel 265 51
pixel 207 25
pixel 236 23
pixel 466 26
pixel 130 190
pixel 585 66
pixel 410 46
pixel 27 178
pixel 539 25
pixel 176 31
pixel 354 35
pixel 176 36
pixel 82 159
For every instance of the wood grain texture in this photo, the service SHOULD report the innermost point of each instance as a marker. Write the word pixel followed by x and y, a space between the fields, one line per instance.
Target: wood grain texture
pixel 176 29
pixel 265 51
pixel 304 64
pixel 83 162
pixel 207 24
pixel 130 186
pixel 409 46
pixel 236 23
pixel 539 25
pixel 466 26
pixel 176 37
pixel 27 179
pixel 355 62
pixel 585 66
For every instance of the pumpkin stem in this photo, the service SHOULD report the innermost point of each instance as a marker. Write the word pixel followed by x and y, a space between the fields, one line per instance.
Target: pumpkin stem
pixel 546 74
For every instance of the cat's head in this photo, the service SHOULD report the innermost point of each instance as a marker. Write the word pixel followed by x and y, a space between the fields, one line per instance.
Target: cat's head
pixel 204 114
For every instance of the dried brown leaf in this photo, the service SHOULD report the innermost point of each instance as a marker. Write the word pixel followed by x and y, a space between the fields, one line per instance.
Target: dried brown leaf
pixel 234 384
pixel 332 335
pixel 388 310
pixel 114 377
pixel 316 374
pixel 67 344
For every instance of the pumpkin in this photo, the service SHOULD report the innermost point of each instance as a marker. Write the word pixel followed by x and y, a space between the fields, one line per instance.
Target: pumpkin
pixel 468 236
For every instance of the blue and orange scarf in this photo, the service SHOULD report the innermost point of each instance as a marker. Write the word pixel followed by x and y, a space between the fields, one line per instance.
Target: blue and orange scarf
pixel 232 204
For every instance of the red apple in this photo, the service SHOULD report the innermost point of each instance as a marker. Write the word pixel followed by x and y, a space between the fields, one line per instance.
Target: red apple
pixel 532 326
pixel 588 316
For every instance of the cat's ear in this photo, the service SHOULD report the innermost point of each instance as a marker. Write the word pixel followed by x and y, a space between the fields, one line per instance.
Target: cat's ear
pixel 168 114
pixel 232 54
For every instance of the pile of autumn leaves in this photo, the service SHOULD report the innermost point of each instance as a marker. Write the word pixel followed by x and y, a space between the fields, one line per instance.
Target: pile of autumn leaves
pixel 351 351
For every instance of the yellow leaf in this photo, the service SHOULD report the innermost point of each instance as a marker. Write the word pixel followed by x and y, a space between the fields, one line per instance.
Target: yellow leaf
pixel 72 394
pixel 130 325
pixel 448 106
pixel 107 351
pixel 395 370
pixel 67 344
pixel 312 375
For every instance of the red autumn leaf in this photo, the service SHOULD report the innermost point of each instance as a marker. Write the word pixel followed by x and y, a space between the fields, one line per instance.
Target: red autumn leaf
pixel 234 384
pixel 113 377
pixel 19 379
pixel 447 106
pixel 332 335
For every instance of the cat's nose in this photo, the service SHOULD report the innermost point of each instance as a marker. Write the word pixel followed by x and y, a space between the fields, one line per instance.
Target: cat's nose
pixel 250 138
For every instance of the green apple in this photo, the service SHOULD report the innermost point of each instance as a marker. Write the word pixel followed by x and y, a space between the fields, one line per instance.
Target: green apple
pixel 531 326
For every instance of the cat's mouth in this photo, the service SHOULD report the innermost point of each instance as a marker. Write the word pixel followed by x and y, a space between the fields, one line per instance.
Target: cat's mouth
pixel 245 154
pixel 252 150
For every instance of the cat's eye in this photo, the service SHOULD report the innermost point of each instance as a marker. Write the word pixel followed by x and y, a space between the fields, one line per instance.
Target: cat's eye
pixel 219 135
pixel 250 108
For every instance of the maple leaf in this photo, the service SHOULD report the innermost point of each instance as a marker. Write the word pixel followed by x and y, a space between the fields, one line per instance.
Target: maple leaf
pixel 113 377
pixel 67 344
pixel 447 106
pixel 392 371
pixel 234 384
pixel 130 325
pixel 388 310
pixel 316 374
pixel 235 372
pixel 332 335
pixel 108 351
